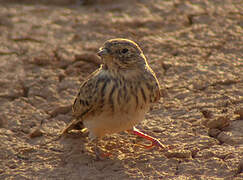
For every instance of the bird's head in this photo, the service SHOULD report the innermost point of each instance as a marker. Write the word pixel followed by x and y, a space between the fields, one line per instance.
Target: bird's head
pixel 121 53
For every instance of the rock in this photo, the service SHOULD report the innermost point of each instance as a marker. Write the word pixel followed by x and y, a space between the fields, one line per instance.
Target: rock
pixel 207 113
pixel 232 134
pixel 61 110
pixel 231 138
pixel 240 167
pixel 239 112
pixel 36 133
pixel 213 132
pixel 218 123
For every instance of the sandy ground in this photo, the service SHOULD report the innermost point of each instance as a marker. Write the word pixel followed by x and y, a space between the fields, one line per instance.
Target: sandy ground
pixel 196 50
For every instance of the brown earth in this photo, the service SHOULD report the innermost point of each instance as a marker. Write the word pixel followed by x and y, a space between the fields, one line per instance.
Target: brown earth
pixel 196 49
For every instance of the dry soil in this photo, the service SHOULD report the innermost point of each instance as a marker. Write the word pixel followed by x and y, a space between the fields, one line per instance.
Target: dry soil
pixel 47 48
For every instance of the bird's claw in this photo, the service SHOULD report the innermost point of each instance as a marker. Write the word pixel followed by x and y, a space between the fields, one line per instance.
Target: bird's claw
pixel 155 142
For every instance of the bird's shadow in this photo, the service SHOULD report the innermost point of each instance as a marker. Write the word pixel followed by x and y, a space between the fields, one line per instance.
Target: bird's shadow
pixel 74 153
pixel 77 153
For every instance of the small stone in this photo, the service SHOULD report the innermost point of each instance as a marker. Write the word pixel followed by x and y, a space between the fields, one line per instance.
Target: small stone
pixel 194 151
pixel 240 167
pixel 36 133
pixel 213 132
pixel 239 112
pixel 207 113
pixel 218 123
pixel 25 130
pixel 226 137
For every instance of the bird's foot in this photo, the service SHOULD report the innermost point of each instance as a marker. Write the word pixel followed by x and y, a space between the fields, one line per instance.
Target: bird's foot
pixel 155 142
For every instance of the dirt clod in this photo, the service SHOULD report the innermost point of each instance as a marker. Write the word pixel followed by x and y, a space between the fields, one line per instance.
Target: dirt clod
pixel 218 123
pixel 213 132
pixel 36 133
pixel 239 111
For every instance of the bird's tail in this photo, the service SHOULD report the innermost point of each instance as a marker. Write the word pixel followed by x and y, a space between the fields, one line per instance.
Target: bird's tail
pixel 75 124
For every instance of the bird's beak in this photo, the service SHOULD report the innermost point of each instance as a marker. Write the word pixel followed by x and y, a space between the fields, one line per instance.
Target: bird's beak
pixel 102 52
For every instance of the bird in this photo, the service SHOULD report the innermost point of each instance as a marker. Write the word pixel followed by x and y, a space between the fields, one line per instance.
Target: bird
pixel 116 96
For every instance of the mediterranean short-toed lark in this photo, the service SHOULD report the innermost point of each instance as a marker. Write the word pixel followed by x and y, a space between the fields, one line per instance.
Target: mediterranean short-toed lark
pixel 116 97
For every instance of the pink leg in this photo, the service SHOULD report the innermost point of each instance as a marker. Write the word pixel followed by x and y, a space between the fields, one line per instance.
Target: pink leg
pixel 155 142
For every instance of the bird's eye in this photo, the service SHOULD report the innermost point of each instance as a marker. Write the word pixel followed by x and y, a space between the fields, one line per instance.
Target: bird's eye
pixel 124 50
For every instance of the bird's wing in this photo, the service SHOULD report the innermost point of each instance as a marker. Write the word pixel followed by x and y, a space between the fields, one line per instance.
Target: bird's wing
pixel 87 99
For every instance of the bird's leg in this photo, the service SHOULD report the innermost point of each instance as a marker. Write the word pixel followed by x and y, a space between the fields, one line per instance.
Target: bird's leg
pixel 155 142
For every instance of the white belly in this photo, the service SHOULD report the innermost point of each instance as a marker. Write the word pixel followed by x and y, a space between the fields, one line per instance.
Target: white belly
pixel 109 123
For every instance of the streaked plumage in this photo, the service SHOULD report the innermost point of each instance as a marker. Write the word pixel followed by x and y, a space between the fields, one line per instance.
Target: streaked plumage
pixel 116 97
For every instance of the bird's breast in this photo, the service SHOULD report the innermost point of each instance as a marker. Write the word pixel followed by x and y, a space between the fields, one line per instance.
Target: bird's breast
pixel 109 123
pixel 124 104
pixel 124 96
